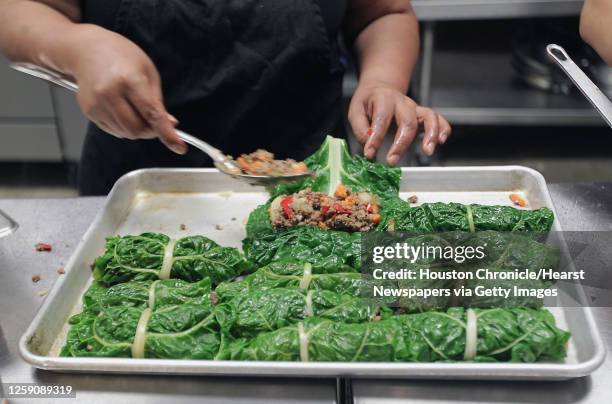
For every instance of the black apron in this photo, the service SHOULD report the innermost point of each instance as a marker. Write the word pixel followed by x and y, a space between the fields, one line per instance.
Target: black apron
pixel 240 74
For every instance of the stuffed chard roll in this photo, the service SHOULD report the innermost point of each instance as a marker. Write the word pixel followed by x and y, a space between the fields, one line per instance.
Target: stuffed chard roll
pixel 322 248
pixel 507 254
pixel 292 275
pixel 155 256
pixel 507 260
pixel 517 335
pixel 147 294
pixel 428 217
pixel 269 309
pixel 166 320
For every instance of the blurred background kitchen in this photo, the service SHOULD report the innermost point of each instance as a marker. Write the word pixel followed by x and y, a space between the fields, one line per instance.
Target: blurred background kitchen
pixel 483 66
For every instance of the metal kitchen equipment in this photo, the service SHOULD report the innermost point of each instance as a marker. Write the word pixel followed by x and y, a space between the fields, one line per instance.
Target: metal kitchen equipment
pixel 598 99
pixel 203 199
pixel 224 163
pixel 7 225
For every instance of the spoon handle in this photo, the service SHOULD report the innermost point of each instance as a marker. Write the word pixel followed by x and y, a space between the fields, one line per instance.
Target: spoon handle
pixel 56 78
pixel 601 103
pixel 45 74
pixel 213 152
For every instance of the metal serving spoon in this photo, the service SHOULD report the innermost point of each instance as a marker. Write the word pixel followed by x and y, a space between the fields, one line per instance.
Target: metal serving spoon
pixel 602 104
pixel 224 163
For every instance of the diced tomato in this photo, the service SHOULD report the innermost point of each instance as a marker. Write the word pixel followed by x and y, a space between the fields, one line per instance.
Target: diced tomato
pixel 369 208
pixel 325 209
pixel 285 202
pixel 375 218
pixel 341 209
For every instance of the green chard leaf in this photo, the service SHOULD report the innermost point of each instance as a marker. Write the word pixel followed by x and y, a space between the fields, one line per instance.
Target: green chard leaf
pixel 505 252
pixel 399 215
pixel 321 248
pixel 169 319
pixel 287 274
pixel 502 252
pixel 517 335
pixel 153 255
pixel 147 293
pixel 333 165
pixel 261 310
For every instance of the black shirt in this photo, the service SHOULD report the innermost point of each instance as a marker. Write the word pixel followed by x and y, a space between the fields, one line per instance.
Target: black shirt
pixel 103 13
pixel 240 74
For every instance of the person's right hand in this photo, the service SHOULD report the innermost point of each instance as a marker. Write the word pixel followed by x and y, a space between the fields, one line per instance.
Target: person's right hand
pixel 120 89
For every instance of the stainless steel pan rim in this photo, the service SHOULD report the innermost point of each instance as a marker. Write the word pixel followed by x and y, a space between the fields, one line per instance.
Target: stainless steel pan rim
pixel 7 224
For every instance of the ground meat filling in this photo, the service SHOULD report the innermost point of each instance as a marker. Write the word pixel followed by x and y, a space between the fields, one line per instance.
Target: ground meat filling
pixel 262 162
pixel 344 210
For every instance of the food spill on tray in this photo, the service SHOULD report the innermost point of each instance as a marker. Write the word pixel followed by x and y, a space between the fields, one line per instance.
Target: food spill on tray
pixel 262 162
pixel 294 291
pixel 43 247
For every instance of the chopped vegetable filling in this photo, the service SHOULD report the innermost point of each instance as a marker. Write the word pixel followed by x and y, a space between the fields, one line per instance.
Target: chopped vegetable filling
pixel 262 162
pixel 346 210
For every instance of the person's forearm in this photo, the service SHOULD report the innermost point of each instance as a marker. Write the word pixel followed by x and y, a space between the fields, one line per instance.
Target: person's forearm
pixel 119 86
pixel 387 49
pixel 596 27
pixel 386 41
pixel 40 33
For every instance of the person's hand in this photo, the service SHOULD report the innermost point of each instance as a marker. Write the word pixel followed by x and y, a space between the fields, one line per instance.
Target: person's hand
pixel 373 108
pixel 120 89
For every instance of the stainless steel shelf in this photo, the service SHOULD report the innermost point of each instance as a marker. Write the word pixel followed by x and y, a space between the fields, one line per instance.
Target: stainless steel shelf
pixel 481 88
pixel 520 116
pixel 438 10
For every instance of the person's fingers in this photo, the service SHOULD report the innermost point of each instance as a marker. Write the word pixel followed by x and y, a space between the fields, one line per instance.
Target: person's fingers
pixel 407 126
pixel 152 110
pixel 173 119
pixel 382 113
pixel 431 126
pixel 131 123
pixel 445 129
pixel 358 118
pixel 107 127
pixel 103 118
pixel 94 107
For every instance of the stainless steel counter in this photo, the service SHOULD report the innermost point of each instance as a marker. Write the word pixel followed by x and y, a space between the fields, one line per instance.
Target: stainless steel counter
pixel 61 222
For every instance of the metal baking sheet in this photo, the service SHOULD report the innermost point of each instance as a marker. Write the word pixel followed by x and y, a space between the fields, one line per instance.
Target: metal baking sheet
pixel 210 203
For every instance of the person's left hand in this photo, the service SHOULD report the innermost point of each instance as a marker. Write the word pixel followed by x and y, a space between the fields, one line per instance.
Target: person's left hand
pixel 375 105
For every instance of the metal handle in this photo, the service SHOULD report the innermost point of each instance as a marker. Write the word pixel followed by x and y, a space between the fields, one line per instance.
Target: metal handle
pixel 56 78
pixel 45 74
pixel 598 99
pixel 214 153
